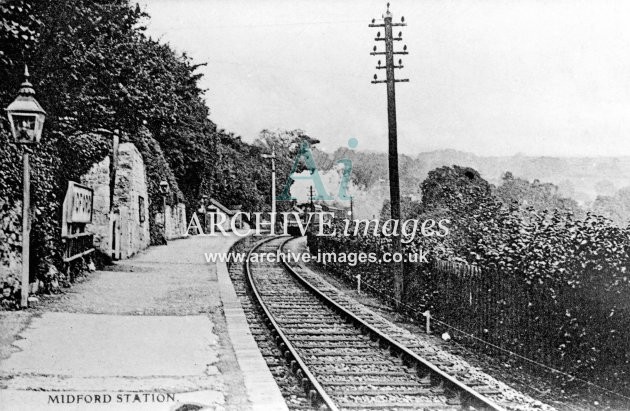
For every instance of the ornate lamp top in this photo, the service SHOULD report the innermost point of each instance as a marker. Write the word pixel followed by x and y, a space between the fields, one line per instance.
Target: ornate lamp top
pixel 25 100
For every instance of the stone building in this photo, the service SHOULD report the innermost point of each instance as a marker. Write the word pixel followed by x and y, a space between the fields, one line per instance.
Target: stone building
pixel 216 213
pixel 98 180
pixel 120 230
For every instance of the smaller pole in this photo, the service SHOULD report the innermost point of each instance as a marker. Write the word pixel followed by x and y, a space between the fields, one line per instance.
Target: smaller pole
pixel 26 227
pixel 164 216
pixel 351 207
pixel 113 166
pixel 272 156
pixel 273 181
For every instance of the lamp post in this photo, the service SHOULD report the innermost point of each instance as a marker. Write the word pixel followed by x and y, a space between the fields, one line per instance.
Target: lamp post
pixel 203 203
pixel 26 117
pixel 164 189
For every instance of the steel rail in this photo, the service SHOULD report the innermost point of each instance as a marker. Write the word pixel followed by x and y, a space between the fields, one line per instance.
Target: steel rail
pixel 317 394
pixel 470 396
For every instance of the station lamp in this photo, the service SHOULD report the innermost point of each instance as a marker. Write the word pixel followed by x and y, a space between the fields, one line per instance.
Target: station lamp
pixel 164 187
pixel 26 115
pixel 26 118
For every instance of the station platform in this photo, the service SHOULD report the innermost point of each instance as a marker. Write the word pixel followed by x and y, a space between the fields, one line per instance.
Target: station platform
pixel 163 330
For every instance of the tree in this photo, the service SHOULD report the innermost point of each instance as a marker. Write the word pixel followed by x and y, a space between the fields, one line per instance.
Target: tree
pixel 539 196
pixel 409 208
pixel 460 195
pixel 286 144
pixel 94 67
pixel 615 207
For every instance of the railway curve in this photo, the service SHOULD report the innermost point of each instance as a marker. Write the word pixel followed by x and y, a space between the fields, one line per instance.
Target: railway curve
pixel 341 361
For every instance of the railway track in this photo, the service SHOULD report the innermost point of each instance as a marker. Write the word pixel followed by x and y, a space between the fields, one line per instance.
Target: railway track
pixel 289 385
pixel 340 360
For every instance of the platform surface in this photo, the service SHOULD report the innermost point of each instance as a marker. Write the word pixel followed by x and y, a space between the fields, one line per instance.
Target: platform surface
pixel 160 331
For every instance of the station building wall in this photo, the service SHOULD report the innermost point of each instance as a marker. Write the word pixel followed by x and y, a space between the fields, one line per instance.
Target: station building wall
pixel 128 231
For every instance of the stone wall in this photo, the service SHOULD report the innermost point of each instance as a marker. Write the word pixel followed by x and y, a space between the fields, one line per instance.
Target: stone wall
pixel 10 251
pixel 175 221
pixel 98 180
pixel 131 204
pixel 132 200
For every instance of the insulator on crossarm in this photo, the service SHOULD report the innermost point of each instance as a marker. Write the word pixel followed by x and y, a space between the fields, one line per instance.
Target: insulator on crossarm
pixel 400 34
pixel 373 21
pixel 374 48
pixel 379 62
pixel 378 34
pixel 405 47
pixel 400 62
pixel 402 19
pixel 375 77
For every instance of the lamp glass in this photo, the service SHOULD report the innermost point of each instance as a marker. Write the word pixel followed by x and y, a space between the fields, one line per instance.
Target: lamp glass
pixel 26 127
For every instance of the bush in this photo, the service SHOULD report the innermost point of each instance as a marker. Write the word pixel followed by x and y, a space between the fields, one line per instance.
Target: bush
pixel 543 284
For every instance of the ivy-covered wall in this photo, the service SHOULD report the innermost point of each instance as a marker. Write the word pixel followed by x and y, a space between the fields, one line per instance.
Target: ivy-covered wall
pixel 10 251
pixel 93 67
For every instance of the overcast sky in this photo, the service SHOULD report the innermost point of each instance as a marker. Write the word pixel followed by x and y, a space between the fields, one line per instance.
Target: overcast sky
pixel 490 77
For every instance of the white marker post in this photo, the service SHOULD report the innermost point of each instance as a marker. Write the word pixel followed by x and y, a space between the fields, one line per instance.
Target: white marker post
pixel 427 315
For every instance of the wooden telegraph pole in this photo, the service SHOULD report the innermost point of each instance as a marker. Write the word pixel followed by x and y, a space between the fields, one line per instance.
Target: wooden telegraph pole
pixel 394 181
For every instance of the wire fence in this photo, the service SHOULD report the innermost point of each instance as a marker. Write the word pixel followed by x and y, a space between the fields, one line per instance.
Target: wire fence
pixel 548 323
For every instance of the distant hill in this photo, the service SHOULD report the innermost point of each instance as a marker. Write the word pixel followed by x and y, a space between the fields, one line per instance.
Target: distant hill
pixel 581 178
